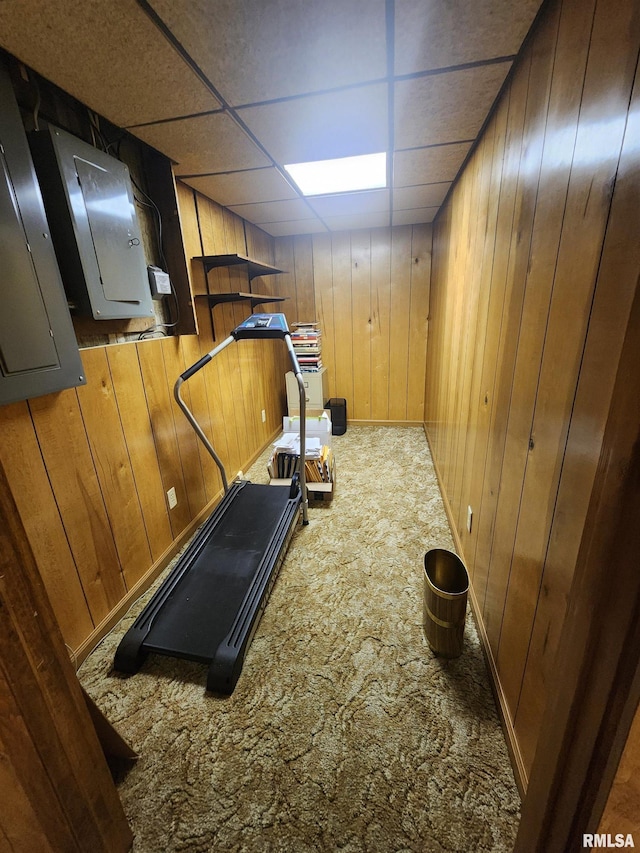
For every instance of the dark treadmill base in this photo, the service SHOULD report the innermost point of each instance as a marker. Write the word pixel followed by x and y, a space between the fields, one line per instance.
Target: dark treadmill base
pixel 209 606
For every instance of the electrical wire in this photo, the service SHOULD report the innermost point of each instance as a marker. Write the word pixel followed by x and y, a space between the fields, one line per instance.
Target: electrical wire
pixel 151 203
pixel 153 330
pixel 95 129
pixel 158 223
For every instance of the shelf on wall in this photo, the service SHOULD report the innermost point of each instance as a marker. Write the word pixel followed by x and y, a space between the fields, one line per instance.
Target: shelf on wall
pixel 254 268
pixel 256 298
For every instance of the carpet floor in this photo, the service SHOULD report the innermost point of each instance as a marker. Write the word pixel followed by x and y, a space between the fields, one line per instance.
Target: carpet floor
pixel 345 732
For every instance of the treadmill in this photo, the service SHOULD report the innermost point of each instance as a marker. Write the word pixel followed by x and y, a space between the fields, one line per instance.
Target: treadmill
pixel 209 606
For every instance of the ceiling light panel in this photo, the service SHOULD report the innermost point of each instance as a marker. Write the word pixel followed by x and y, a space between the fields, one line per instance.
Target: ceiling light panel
pixel 364 172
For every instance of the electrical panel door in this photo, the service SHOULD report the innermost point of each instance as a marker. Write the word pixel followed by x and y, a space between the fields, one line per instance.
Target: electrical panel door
pixel 89 201
pixel 38 349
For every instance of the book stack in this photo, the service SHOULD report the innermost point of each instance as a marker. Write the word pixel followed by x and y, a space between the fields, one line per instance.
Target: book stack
pixel 307 344
pixel 286 452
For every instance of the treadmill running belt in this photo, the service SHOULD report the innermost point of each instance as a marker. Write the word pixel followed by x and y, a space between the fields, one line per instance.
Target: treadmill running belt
pixel 200 611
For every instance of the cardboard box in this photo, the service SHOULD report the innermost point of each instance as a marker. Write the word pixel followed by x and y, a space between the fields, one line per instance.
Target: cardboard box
pixel 318 493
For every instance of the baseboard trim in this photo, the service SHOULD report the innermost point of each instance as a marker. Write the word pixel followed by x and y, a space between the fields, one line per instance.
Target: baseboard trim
pixel 359 422
pixel 101 630
pixel 517 763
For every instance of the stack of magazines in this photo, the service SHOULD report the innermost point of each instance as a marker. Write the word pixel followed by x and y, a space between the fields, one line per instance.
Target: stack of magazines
pixel 307 344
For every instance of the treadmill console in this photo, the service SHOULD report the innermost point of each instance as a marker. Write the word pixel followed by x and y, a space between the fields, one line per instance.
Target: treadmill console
pixel 262 326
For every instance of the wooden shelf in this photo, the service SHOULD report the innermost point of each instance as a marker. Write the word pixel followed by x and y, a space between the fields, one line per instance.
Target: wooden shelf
pixel 254 268
pixel 256 298
pixel 214 299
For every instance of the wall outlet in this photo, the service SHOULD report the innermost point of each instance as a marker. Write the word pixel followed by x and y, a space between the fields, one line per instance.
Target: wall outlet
pixel 172 498
pixel 469 518
pixel 264 416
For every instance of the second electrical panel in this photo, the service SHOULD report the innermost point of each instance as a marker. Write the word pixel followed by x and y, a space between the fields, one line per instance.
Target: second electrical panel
pixel 89 202
pixel 38 349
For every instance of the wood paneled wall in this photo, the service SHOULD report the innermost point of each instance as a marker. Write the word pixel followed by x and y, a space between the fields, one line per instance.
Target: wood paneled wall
pixel 57 792
pixel 536 260
pixel 369 290
pixel 89 468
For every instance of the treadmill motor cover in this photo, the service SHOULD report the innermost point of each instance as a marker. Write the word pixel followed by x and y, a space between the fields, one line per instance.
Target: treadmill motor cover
pixel 262 326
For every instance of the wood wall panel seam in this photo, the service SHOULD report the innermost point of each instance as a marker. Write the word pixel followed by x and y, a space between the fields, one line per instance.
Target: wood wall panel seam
pixel 77 493
pixel 22 458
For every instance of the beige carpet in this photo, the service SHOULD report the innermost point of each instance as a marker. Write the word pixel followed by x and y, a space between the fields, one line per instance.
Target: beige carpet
pixel 345 732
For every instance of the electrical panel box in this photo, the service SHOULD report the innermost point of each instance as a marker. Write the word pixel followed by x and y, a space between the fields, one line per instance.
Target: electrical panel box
pixel 38 349
pixel 89 202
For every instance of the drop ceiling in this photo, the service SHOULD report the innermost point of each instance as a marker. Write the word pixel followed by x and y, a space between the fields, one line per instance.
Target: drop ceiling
pixel 232 90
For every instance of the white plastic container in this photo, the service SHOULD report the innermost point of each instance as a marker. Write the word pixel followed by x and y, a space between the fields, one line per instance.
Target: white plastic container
pixel 316 427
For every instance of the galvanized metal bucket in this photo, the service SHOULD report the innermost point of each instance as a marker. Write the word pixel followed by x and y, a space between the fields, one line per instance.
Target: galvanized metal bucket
pixel 446 585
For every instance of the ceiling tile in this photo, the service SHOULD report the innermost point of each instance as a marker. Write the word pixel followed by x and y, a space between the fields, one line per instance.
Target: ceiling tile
pixel 321 127
pixel 448 107
pixel 357 220
pixel 287 229
pixel 439 33
pixel 255 51
pixel 273 211
pixel 427 165
pixel 244 187
pixel 414 217
pixel 305 81
pixel 209 143
pixel 108 56
pixel 427 195
pixel 345 204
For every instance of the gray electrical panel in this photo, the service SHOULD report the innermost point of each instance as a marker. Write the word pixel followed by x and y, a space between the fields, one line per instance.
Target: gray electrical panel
pixel 89 202
pixel 38 349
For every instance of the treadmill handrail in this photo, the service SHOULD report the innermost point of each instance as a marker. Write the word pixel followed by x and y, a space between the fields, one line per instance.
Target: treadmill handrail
pixel 303 428
pixel 188 373
pixel 198 365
